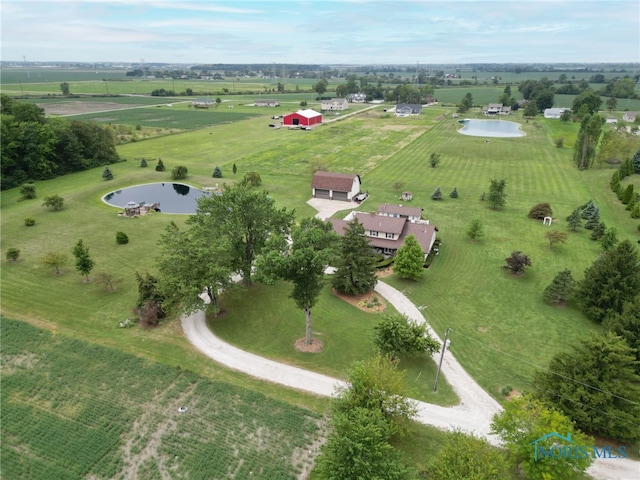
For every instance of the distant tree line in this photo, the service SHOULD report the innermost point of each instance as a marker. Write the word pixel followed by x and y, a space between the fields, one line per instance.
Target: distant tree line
pixel 38 148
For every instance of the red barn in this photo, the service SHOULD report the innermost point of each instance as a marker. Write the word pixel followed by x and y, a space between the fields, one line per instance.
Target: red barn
pixel 302 118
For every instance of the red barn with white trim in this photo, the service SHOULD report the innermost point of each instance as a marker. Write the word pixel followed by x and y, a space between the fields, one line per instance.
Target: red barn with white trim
pixel 302 118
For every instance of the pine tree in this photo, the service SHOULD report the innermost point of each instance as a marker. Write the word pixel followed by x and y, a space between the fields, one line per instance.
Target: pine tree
pixel 454 193
pixel 627 195
pixel 574 220
pixel 217 173
pixel 409 260
pixel 598 231
pixel 615 183
pixel 560 288
pixel 160 166
pixel 475 231
pixel 587 210
pixel 626 168
pixel 356 272
pixel 635 161
pixel 143 163
pixel 612 280
pixel 84 263
pixel 627 325
pixel 497 195
pixel 234 169
pixel 106 174
pixel 437 194
pixel 609 238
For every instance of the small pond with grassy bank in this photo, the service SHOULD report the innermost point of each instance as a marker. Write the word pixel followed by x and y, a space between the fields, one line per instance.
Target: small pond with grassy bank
pixel 490 128
pixel 171 197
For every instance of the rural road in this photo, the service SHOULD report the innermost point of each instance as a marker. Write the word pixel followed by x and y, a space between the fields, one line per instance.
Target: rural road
pixel 472 415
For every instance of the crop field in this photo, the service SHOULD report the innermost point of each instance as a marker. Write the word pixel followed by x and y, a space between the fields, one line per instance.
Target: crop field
pixel 119 417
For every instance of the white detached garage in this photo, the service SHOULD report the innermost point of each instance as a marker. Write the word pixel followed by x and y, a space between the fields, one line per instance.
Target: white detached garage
pixel 335 186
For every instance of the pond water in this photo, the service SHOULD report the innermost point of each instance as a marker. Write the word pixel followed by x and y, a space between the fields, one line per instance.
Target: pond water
pixel 490 128
pixel 172 197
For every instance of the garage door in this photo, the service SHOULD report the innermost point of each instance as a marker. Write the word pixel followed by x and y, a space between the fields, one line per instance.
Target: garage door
pixel 320 193
pixel 340 196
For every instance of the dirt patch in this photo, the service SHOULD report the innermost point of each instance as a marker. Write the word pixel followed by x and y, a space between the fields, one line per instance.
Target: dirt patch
pixel 370 302
pixel 513 394
pixel 385 272
pixel 314 347
pixel 77 108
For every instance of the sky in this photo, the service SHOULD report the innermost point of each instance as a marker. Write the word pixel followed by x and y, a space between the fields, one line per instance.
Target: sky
pixel 352 32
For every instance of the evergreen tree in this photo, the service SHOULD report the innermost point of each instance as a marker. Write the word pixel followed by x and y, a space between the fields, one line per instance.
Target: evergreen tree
pixel 627 325
pixel 635 211
pixel 475 231
pixel 593 222
pixel 626 168
pixel 143 163
pixel 587 210
pixel 497 195
pixel 612 280
pixel 454 193
pixel 636 162
pixel 598 231
pixel 434 160
pixel 628 194
pixel 437 194
pixel 615 184
pixel 217 173
pixel 574 220
pixel 560 288
pixel 160 166
pixel 609 238
pixel 84 262
pixel 597 376
pixel 106 174
pixel 409 260
pixel 356 272
pixel 234 169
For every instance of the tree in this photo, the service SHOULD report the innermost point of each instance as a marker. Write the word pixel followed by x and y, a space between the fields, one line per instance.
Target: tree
pixel 396 334
pixel 358 447
pixel 627 326
pixel 437 194
pixel 636 162
pixel 27 191
pixel 84 262
pixel 122 238
pixel 179 172
pixel 234 169
pixel 524 427
pixel 596 386
pixel 192 261
pixel 475 230
pixel 64 88
pixel 409 260
pixel 252 178
pixel 143 163
pixel 554 237
pixel 149 306
pixel 517 262
pixel 160 166
pixel 530 110
pixel 609 238
pixel 54 202
pixel 615 185
pixel 55 261
pixel 598 231
pixel 302 263
pixel 560 289
pixel 469 457
pixel 434 160
pixel 627 194
pixel 612 280
pixel 247 217
pixel 13 254
pixel 497 195
pixel 466 103
pixel 540 211
pixel 612 103
pixel 589 100
pixel 584 149
pixel 107 280
pixel 106 174
pixel 321 86
pixel 355 268
pixel 454 193
pixel 217 173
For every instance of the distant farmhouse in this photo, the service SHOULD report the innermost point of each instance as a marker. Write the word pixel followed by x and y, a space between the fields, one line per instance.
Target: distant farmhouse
pixel 554 112
pixel 408 109
pixel 496 109
pixel 302 119
pixel 630 116
pixel 387 230
pixel 335 186
pixel 357 98
pixel 266 103
pixel 202 103
pixel 335 104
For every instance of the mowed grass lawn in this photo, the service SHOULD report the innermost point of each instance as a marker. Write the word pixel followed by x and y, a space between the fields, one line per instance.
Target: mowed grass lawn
pixel 500 326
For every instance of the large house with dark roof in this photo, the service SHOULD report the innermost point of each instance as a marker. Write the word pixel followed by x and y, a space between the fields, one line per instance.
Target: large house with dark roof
pixel 335 186
pixel 386 232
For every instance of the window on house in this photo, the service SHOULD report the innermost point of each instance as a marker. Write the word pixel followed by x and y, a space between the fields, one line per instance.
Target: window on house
pixel 389 235
pixel 373 233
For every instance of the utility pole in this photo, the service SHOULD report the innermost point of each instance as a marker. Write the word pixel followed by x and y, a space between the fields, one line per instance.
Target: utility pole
pixel 445 345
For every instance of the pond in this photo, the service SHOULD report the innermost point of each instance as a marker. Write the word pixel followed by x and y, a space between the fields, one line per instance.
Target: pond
pixel 490 128
pixel 172 197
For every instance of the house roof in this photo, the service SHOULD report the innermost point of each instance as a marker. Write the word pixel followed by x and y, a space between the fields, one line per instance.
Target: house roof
pixel 342 182
pixel 413 106
pixel 380 223
pixel 400 210
pixel 308 113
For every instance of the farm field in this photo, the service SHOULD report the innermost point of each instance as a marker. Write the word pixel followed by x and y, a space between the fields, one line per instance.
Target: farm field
pixel 120 418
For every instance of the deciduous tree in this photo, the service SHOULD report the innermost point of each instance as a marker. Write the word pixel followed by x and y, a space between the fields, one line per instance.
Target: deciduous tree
pixel 554 237
pixel 497 196
pixel 355 268
pixel 517 262
pixel 584 149
pixel 13 254
pixel 55 261
pixel 434 159
pixel 409 260
pixel 396 334
pixel 84 262
pixel 303 263
pixel 53 202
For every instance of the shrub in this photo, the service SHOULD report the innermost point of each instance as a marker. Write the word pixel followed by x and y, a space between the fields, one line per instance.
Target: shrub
pixel 29 221
pixel 397 334
pixel 540 211
pixel 517 262
pixel 13 254
pixel 106 174
pixel 122 238
pixel 559 142
pixel 506 390
pixel 28 191
pixel 251 178
pixel 179 172
pixel 454 193
pixel 55 202
pixel 217 173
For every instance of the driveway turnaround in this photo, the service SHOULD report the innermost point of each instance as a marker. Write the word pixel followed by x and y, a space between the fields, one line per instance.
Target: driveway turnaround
pixel 472 415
